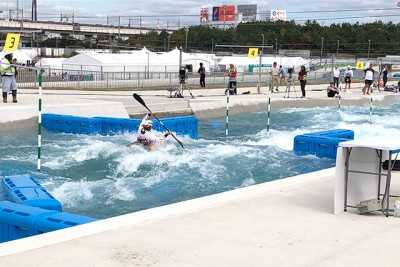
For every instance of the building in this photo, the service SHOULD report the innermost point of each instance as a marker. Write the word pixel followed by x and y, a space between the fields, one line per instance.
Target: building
pixel 228 16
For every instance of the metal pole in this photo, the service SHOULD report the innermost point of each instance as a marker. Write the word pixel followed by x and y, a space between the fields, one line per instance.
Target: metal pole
pixel 212 45
pixel 39 120
pixel 322 49
pixel 148 65
pixel 262 50
pixel 169 37
pixel 337 50
pixel 187 31
pixel 276 46
pixel 369 47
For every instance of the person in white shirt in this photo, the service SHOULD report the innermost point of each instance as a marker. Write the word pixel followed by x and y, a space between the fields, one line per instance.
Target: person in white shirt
pixel 369 78
pixel 348 74
pixel 145 137
pixel 274 72
pixel 336 74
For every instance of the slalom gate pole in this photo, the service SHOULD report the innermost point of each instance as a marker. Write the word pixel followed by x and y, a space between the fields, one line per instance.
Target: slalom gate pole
pixel 370 108
pixel 39 120
pixel 339 98
pixel 227 113
pixel 269 107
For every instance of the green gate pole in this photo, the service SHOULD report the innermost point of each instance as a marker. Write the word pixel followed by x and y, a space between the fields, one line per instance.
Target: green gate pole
pixel 269 107
pixel 227 113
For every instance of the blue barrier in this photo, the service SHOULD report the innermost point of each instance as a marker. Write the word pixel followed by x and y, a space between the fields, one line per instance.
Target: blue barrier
pixel 57 221
pixel 322 144
pixel 187 125
pixel 17 221
pixel 23 189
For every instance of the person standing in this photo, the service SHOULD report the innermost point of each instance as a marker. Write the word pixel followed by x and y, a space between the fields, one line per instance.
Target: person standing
pixel 348 74
pixel 336 74
pixel 202 72
pixel 369 78
pixel 332 90
pixel 282 75
pixel 384 74
pixel 303 80
pixel 8 73
pixel 232 73
pixel 274 72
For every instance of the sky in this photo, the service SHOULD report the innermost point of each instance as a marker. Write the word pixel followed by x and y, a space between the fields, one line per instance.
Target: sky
pixel 186 13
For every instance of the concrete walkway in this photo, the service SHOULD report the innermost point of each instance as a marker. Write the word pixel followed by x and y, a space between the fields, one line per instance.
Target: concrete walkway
pixel 288 222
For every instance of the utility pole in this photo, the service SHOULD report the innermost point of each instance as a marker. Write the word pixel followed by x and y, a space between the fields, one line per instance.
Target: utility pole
pixel 369 47
pixel 34 11
pixel 263 38
pixel 186 39
pixel 337 50
pixel 322 50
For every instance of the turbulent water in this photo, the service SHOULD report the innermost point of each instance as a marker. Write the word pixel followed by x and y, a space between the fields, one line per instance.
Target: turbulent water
pixel 99 176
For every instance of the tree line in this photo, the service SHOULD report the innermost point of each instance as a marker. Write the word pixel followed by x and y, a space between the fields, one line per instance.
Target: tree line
pixel 345 39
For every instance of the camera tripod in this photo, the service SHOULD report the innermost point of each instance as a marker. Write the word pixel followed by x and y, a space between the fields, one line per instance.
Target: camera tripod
pixel 179 92
pixel 290 84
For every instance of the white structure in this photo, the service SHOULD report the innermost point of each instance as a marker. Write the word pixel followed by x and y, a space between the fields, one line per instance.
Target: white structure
pixel 51 66
pixel 136 61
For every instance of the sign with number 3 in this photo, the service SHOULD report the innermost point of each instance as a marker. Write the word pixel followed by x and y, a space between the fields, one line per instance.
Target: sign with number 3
pixel 12 41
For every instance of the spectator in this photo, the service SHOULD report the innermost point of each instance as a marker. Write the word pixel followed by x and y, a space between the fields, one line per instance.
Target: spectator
pixel 348 75
pixel 332 90
pixel 369 78
pixel 202 72
pixel 384 74
pixel 232 86
pixel 303 80
pixel 283 74
pixel 274 72
pixel 336 74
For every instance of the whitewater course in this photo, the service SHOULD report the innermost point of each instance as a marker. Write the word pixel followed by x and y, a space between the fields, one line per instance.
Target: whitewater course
pixel 239 200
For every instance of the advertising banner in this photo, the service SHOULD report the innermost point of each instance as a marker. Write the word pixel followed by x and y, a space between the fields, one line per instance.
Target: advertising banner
pixel 215 15
pixel 278 15
pixel 223 13
pixel 204 14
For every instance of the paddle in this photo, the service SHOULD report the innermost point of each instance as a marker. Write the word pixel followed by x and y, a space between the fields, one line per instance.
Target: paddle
pixel 140 100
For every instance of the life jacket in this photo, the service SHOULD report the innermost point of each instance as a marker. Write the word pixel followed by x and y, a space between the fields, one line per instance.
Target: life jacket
pixel 143 141
pixel 8 71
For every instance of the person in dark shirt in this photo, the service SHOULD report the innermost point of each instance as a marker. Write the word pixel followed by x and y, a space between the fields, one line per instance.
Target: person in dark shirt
pixel 384 74
pixel 202 72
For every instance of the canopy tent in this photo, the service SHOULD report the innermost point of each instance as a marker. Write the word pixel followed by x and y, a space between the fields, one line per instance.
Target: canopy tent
pixel 246 64
pixel 104 62
pixel 190 59
pixel 136 61
pixel 51 66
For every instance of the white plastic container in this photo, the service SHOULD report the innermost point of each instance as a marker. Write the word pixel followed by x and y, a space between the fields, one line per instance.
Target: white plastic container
pixel 397 208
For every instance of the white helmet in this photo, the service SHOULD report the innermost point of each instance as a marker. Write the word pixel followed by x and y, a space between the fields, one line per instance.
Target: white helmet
pixel 148 123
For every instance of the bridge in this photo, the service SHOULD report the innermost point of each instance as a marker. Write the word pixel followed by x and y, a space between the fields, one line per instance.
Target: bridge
pixel 67 28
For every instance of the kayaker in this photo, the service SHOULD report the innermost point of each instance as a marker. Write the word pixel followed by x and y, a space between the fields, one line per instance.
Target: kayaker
pixel 146 137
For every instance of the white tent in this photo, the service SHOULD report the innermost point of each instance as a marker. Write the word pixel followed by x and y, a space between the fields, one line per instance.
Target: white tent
pixel 136 61
pixel 190 59
pixel 243 63
pixel 52 66
pixel 105 62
